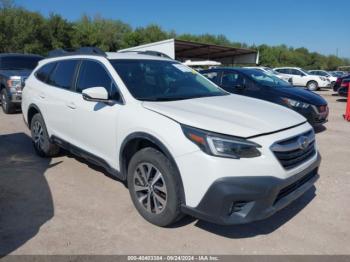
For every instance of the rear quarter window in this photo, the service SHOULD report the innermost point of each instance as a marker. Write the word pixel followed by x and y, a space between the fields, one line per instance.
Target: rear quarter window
pixel 44 72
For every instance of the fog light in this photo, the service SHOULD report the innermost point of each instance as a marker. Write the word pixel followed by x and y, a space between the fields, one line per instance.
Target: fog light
pixel 237 206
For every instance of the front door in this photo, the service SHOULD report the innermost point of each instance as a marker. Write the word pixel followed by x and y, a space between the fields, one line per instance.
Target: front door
pixel 96 123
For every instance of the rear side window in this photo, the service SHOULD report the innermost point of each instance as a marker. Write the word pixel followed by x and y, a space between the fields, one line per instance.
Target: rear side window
pixel 283 71
pixel 231 79
pixel 63 74
pixel 213 76
pixel 93 74
pixel 296 72
pixel 43 73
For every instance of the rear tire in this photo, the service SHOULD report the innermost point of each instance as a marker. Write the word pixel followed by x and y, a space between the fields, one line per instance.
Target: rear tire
pixel 312 85
pixel 7 106
pixel 154 187
pixel 41 141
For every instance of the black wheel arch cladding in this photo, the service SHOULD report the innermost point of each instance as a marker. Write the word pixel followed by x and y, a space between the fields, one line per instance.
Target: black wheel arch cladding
pixel 131 141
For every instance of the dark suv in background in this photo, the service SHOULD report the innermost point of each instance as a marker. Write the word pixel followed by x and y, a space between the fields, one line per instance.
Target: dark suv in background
pixel 257 84
pixel 14 69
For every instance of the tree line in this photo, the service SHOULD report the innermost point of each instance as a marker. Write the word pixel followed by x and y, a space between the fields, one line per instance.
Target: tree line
pixel 25 31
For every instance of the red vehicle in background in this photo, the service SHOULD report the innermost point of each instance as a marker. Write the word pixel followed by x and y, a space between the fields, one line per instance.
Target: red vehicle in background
pixel 344 87
pixel 339 82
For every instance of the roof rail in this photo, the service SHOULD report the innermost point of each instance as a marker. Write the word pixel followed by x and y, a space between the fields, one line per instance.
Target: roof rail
pixel 147 52
pixel 86 50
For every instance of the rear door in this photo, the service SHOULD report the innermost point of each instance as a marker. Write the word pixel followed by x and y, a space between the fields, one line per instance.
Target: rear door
pixel 55 98
pixel 95 123
pixel 298 77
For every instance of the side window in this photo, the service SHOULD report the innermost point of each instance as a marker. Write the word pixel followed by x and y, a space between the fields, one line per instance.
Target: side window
pixel 283 71
pixel 231 79
pixel 93 74
pixel 63 74
pixel 213 76
pixel 294 72
pixel 43 73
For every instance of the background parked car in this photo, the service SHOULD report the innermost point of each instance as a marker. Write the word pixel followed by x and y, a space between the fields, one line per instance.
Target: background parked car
pixel 270 71
pixel 344 87
pixel 14 70
pixel 339 81
pixel 337 73
pixel 257 84
pixel 302 78
pixel 326 74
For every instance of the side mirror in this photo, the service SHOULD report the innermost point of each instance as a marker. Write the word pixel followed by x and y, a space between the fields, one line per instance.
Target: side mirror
pixel 96 94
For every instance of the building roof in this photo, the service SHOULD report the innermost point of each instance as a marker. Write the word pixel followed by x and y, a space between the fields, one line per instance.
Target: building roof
pixel 186 50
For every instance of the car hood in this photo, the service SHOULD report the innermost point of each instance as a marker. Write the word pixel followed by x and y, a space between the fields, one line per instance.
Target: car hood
pixel 21 73
pixel 230 114
pixel 303 95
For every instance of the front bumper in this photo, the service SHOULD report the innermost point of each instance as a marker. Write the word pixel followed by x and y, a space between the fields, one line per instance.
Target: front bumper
pixel 16 97
pixel 314 115
pixel 239 200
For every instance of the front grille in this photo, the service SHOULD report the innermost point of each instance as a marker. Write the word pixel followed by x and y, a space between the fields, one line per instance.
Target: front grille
pixel 294 186
pixel 294 151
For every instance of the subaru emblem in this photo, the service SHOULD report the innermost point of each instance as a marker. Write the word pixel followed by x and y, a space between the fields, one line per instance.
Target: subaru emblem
pixel 303 142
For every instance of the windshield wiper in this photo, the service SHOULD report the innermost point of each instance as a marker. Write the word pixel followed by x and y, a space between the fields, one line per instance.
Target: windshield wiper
pixel 175 98
pixel 165 98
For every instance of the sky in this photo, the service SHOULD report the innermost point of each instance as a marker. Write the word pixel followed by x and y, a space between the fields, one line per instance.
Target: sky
pixel 319 25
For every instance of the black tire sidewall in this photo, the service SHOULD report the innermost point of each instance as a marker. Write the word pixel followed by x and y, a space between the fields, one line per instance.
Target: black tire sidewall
pixel 43 152
pixel 172 212
pixel 8 108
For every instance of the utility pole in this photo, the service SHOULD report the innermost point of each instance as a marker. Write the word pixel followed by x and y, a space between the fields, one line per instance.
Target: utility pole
pixel 336 53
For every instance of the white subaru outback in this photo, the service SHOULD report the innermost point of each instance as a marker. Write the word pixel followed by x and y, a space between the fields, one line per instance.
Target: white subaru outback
pixel 181 144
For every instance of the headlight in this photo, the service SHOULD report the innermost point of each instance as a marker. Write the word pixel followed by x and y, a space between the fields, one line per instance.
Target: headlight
pixel 221 145
pixel 15 84
pixel 295 103
pixel 323 78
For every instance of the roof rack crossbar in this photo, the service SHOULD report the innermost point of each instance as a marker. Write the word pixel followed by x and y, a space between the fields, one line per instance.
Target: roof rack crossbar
pixel 86 50
pixel 147 52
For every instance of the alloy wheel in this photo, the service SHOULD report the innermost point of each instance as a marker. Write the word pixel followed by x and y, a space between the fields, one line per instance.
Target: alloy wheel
pixel 150 188
pixel 38 135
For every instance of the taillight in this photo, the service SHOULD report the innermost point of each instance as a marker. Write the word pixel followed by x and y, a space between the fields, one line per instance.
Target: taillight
pixel 345 84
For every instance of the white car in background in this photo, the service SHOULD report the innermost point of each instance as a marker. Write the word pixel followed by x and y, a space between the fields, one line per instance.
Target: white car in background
pixel 326 74
pixel 302 78
pixel 270 71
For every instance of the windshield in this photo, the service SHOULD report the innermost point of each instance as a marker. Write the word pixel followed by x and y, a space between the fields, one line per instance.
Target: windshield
pixel 19 62
pixel 305 72
pixel 270 71
pixel 156 80
pixel 266 79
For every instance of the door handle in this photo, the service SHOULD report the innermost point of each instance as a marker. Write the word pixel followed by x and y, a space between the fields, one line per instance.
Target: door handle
pixel 42 95
pixel 71 105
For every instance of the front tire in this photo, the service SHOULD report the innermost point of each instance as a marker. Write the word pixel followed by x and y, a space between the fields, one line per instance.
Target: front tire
pixel 41 141
pixel 7 106
pixel 154 187
pixel 312 85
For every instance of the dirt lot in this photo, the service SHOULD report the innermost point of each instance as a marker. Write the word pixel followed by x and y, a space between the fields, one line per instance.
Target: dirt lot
pixel 65 206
